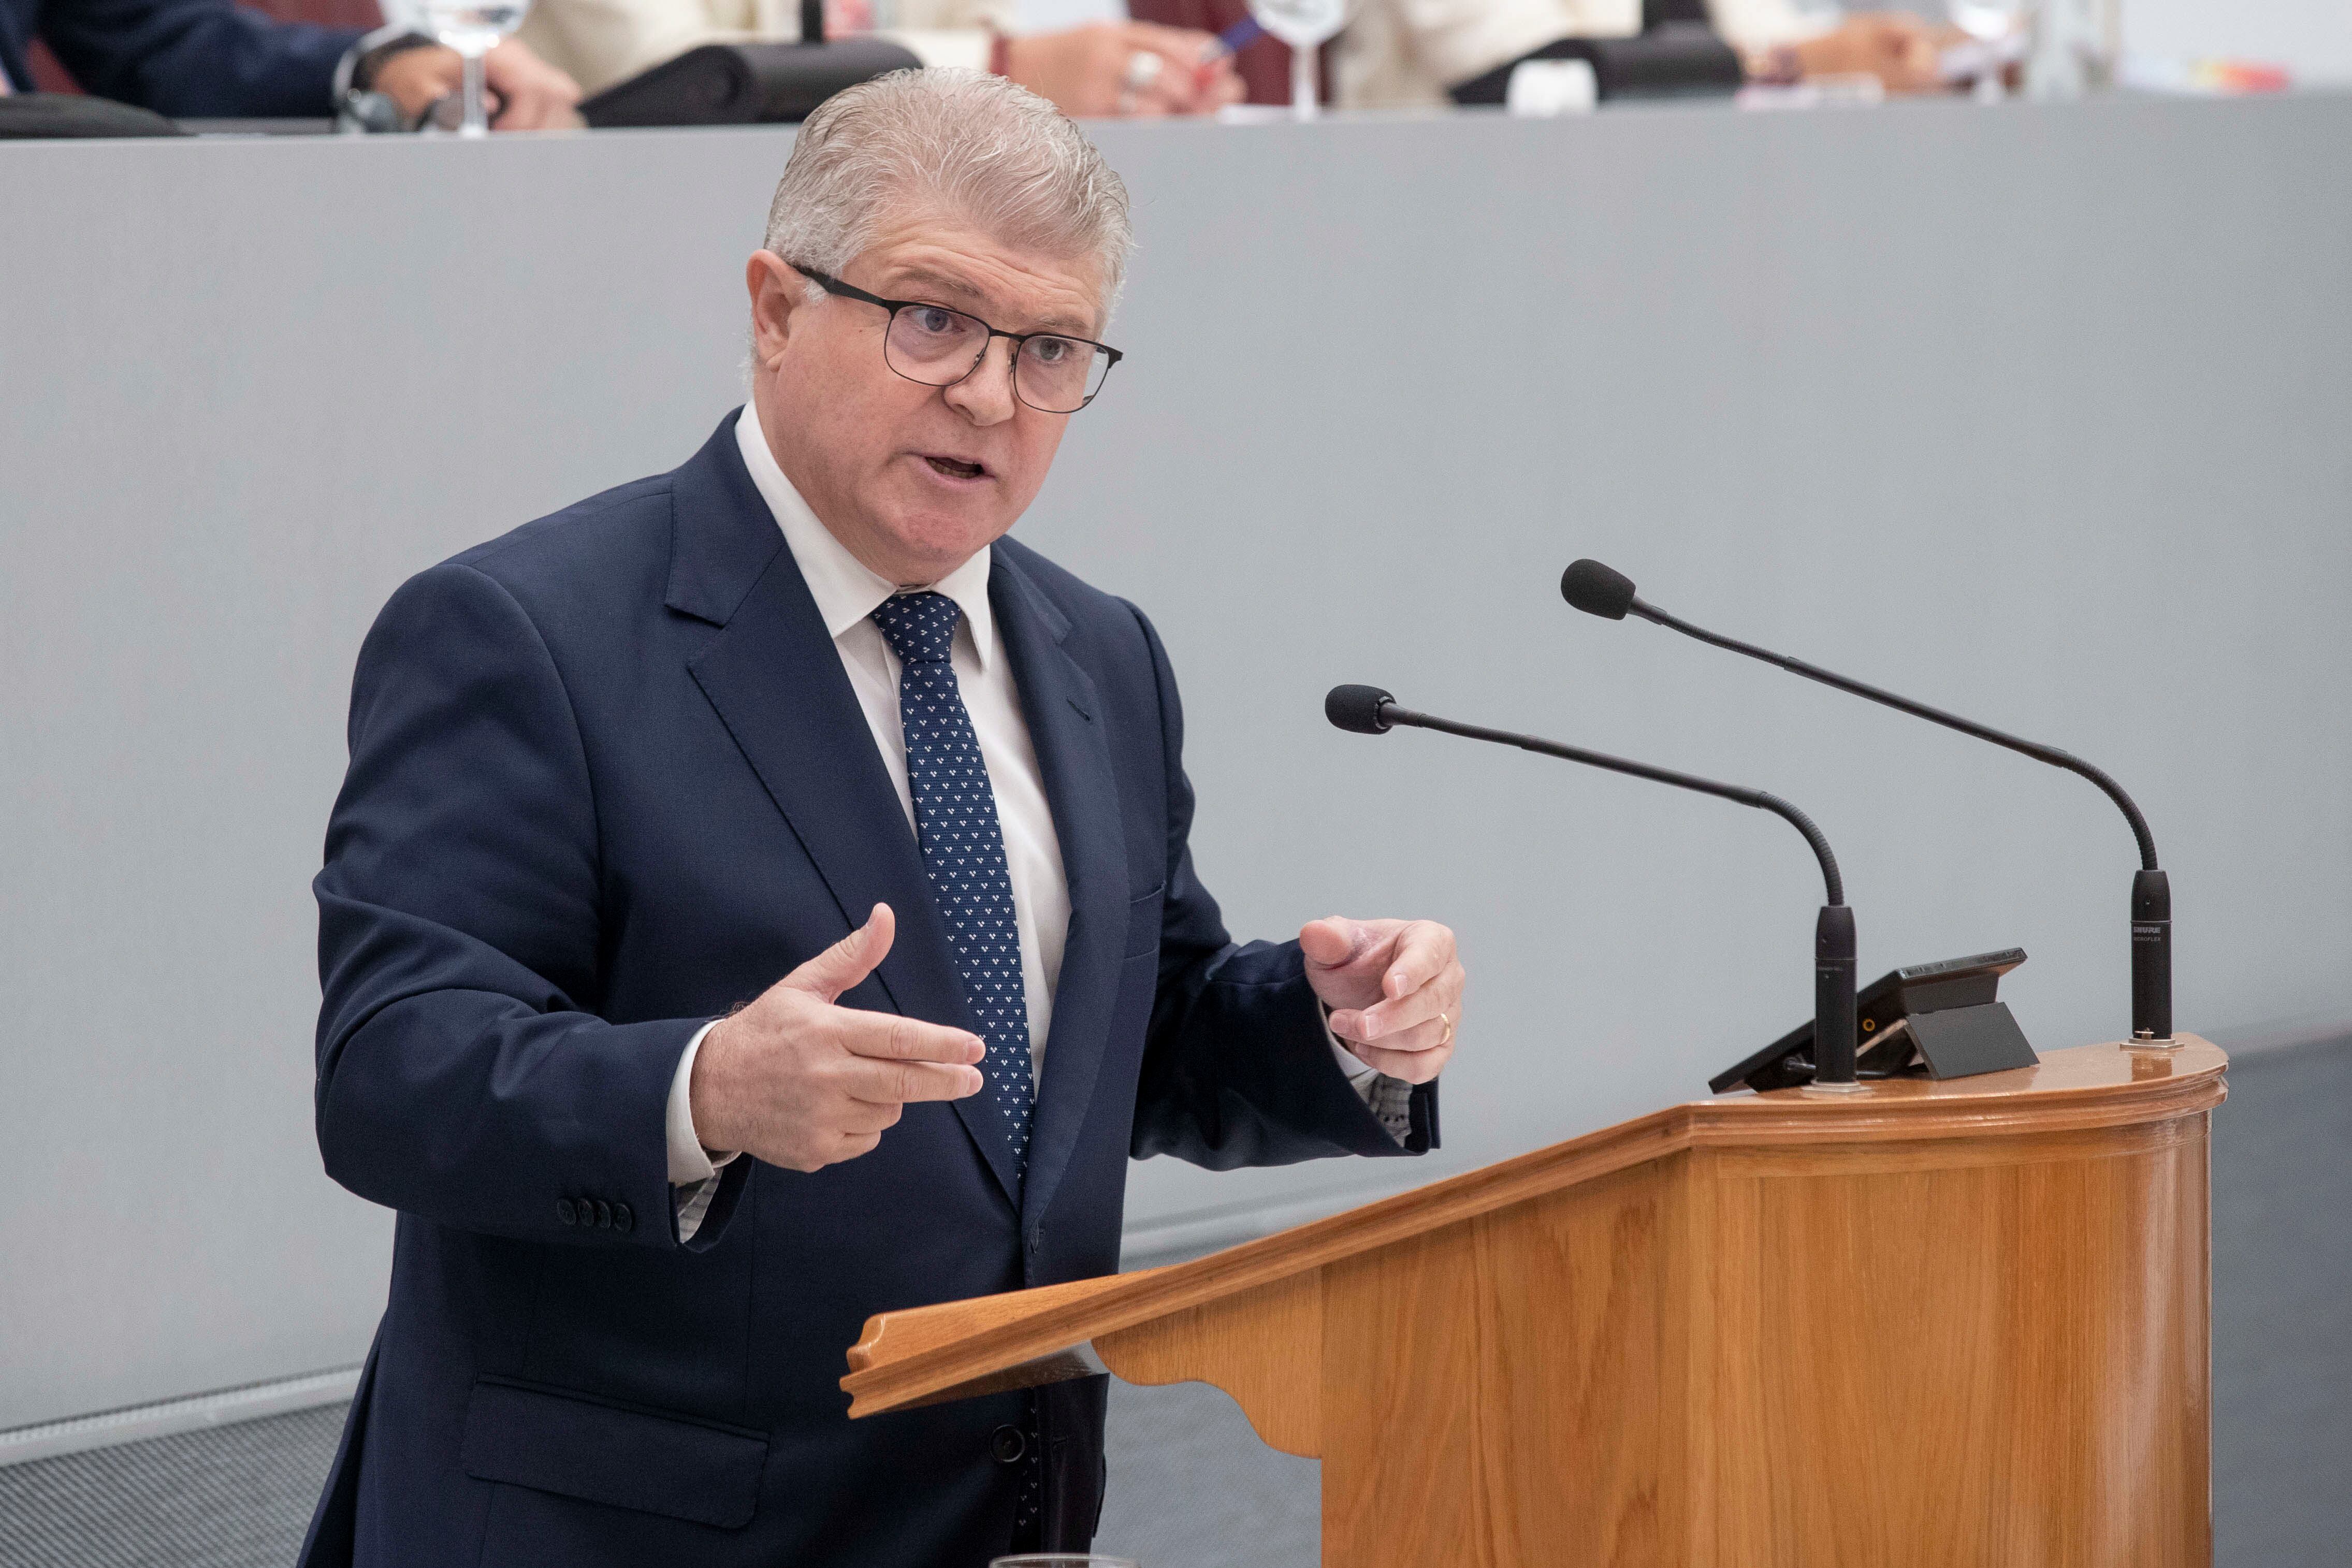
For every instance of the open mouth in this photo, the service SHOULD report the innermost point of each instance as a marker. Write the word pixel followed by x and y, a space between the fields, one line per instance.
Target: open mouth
pixel 955 467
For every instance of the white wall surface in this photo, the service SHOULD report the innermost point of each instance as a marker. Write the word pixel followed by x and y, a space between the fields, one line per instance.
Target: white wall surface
pixel 2313 38
pixel 2036 412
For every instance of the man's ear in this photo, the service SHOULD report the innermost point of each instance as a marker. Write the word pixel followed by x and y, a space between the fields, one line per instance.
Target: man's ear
pixel 776 292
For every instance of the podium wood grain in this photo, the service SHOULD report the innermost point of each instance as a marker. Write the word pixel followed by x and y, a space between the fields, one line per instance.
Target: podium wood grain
pixel 1932 1324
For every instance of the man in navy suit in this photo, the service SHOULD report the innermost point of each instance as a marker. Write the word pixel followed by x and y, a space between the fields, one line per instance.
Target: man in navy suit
pixel 212 60
pixel 760 898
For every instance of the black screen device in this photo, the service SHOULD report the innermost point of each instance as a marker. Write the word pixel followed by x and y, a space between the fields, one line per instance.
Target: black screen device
pixel 1936 1020
pixel 1673 59
pixel 36 116
pixel 744 84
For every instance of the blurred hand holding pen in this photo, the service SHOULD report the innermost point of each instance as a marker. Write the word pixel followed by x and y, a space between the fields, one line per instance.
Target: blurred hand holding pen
pixel 1224 47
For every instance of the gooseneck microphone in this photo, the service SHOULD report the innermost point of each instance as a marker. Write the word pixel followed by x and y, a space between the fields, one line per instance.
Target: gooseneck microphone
pixel 1598 590
pixel 1368 711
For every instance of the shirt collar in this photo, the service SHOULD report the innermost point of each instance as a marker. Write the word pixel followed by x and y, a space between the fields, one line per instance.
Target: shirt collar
pixel 846 589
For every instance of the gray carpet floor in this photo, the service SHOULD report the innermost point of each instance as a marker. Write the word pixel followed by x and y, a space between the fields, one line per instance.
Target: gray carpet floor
pixel 1193 1488
pixel 2282 1311
pixel 230 1497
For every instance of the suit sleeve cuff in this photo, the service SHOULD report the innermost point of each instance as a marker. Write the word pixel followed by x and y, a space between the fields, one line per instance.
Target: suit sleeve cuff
pixel 1388 1099
pixel 690 1162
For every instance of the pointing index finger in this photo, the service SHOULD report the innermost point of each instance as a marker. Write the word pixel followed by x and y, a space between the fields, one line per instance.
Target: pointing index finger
pixel 1423 950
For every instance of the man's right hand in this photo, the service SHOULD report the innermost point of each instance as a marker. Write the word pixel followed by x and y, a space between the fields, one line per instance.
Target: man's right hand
pixel 800 1083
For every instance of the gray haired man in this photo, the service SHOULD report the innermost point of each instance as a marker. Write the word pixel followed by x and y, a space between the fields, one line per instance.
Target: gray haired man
pixel 760 898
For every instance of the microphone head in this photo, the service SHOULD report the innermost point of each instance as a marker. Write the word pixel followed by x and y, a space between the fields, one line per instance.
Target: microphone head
pixel 1357 709
pixel 1596 590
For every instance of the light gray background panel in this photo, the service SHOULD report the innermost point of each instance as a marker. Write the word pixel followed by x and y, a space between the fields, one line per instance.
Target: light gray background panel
pixel 2039 412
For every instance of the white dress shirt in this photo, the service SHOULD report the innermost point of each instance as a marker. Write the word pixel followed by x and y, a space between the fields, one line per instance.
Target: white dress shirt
pixel 847 593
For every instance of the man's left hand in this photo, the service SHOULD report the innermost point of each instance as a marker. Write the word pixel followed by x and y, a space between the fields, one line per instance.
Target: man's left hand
pixel 1394 989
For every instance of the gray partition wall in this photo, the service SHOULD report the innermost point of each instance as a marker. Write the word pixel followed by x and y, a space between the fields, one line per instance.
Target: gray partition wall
pixel 2040 412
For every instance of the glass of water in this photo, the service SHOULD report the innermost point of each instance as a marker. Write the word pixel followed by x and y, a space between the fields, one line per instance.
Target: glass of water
pixel 1305 25
pixel 1993 25
pixel 473 28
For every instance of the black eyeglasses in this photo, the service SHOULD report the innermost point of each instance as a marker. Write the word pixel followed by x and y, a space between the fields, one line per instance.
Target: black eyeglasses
pixel 1052 372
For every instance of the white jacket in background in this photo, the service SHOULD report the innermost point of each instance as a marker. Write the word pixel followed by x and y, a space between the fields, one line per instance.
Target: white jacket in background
pixel 601 42
pixel 1404 54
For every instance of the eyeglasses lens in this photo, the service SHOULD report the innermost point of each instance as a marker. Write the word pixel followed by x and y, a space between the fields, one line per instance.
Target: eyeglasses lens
pixel 933 344
pixel 1059 374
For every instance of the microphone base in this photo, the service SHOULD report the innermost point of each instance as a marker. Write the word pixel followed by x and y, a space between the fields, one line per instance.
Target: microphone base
pixel 2154 1043
pixel 1834 1088
pixel 1931 1020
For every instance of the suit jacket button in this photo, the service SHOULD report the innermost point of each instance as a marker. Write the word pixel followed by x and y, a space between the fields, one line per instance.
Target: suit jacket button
pixel 566 1212
pixel 603 1215
pixel 622 1220
pixel 1007 1444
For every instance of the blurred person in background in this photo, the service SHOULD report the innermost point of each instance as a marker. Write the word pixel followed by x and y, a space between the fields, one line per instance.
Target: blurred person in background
pixel 1402 53
pixel 210 60
pixel 1102 68
pixel 1408 54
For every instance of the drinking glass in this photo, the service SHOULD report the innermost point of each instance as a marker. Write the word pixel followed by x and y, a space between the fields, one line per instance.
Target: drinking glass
pixel 1992 24
pixel 1305 25
pixel 473 28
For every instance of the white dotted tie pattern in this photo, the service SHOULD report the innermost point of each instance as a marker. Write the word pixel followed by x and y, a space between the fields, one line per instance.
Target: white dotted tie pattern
pixel 963 850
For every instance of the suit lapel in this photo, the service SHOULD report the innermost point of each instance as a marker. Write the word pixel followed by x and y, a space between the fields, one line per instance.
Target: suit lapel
pixel 776 681
pixel 1067 729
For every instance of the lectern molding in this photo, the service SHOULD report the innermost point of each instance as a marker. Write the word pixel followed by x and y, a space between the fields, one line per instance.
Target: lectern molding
pixel 923 1354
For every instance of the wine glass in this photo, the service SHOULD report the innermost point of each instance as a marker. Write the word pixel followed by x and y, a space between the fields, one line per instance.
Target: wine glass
pixel 1305 25
pixel 473 28
pixel 1992 24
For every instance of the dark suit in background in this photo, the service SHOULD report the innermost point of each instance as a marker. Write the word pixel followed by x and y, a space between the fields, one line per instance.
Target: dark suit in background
pixel 194 60
pixel 608 778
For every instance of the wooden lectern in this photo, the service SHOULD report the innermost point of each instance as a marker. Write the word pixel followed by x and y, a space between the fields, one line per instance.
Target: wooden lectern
pixel 1933 1323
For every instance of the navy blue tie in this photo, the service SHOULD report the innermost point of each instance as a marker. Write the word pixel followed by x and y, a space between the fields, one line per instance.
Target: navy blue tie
pixel 963 850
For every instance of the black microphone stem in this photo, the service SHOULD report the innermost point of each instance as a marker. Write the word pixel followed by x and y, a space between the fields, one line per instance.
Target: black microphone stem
pixel 1602 592
pixel 1761 800
pixel 2033 749
pixel 1834 1033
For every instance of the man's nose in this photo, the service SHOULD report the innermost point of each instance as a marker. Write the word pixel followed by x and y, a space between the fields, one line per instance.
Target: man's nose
pixel 986 396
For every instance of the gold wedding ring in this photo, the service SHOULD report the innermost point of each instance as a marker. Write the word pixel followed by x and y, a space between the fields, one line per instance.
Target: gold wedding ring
pixel 1446 1039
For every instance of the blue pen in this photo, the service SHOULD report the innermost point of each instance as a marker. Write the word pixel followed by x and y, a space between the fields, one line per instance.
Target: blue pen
pixel 1231 42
